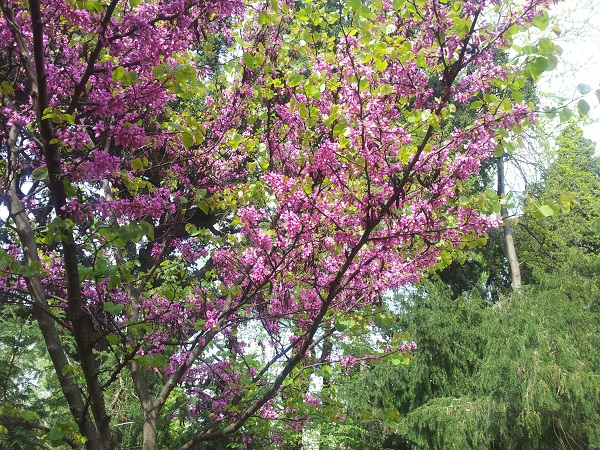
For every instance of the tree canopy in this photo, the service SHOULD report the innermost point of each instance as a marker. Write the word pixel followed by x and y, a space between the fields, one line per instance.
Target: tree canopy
pixel 198 193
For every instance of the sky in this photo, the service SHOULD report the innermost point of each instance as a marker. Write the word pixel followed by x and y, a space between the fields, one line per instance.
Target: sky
pixel 579 22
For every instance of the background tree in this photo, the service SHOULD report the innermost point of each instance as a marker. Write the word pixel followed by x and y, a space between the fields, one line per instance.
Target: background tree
pixel 523 375
pixel 571 178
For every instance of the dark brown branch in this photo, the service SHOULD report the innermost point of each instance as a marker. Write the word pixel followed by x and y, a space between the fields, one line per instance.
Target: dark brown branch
pixel 42 310
pixel 83 326
pixel 21 44
pixel 93 58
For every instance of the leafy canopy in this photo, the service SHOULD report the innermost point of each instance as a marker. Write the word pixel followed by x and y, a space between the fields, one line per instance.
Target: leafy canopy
pixel 180 176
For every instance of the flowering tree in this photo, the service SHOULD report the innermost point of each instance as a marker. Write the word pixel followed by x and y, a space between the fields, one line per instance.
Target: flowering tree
pixel 181 176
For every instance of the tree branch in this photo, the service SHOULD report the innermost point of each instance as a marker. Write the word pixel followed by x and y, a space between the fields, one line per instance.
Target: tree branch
pixel 42 310
pixel 83 326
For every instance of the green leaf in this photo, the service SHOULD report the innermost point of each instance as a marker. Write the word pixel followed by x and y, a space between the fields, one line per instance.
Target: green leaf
pixel 546 210
pixel 397 4
pixel 476 104
pixel 583 107
pixel 566 202
pixel 552 62
pixel 118 73
pixel 204 207
pixel 113 339
pixel 69 118
pixel 249 60
pixel 294 79
pixel 541 21
pixel 41 174
pixel 584 88
pixel 550 113
pixel 354 4
pixel 332 17
pixel 145 360
pixel 546 47
pixel 29 416
pixel 137 164
pixel 30 271
pixel 537 67
pixel 160 361
pixel 134 3
pixel 147 229
pixel 187 139
pixel 114 281
pixel 381 64
pixel 517 96
pixel 505 106
pixel 556 29
pixel 159 70
pixel 263 18
pixel 303 111
pixel 339 326
pixel 385 89
pixel 56 435
pixel 192 230
pixel 565 114
pixel 339 129
pixel 6 88
pixel 113 309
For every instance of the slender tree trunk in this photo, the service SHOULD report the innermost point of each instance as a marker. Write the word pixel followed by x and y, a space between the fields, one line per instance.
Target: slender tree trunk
pixel 149 431
pixel 511 253
pixel 41 308
pixel 83 328
pixel 325 355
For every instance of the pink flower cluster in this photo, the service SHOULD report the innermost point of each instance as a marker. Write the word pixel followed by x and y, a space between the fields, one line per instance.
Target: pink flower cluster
pixel 291 189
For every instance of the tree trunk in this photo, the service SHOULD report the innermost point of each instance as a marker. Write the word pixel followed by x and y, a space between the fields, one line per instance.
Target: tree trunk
pixel 511 253
pixel 149 431
pixel 83 328
pixel 41 308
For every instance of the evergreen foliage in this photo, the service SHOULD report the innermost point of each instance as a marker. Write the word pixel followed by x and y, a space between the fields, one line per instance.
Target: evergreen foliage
pixel 522 374
pixel 573 177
